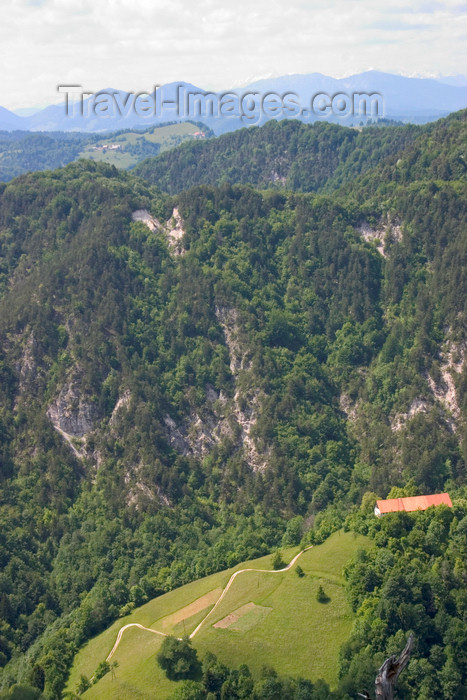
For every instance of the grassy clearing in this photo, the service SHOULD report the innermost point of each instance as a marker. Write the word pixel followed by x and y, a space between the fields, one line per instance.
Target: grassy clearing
pixel 198 606
pixel 298 635
pixel 244 618
pixel 138 675
pixel 166 136
pixel 152 615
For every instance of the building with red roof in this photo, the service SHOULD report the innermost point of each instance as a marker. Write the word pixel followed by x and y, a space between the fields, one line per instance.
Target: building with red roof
pixel 411 503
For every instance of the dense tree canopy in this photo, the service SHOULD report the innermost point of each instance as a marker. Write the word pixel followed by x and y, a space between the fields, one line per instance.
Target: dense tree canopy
pixel 235 395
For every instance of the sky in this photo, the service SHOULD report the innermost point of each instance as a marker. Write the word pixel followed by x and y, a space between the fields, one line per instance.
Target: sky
pixel 137 44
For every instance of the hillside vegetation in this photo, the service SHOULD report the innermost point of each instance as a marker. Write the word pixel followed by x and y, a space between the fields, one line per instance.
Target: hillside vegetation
pixel 320 157
pixel 193 380
pixel 24 151
pixel 298 635
pixel 135 146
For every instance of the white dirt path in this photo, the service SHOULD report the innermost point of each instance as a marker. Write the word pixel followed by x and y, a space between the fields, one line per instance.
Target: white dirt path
pixel 219 601
pixel 125 627
pixel 242 571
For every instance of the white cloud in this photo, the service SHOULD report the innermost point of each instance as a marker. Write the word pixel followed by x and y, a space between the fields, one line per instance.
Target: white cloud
pixel 134 44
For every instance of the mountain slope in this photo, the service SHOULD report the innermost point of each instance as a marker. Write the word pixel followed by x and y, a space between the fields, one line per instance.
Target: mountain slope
pixel 318 157
pixel 22 151
pixel 190 381
pixel 9 120
pixel 408 99
pixel 284 154
pixel 416 99
pixel 293 618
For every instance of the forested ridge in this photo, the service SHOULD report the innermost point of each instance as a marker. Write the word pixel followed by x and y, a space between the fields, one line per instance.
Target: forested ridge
pixel 23 151
pixel 320 157
pixel 29 151
pixel 253 369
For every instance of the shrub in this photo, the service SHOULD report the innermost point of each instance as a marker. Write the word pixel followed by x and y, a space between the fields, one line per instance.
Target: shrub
pixel 178 659
pixel 276 561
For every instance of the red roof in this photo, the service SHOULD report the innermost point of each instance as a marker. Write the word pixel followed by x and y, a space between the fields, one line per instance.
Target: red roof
pixel 394 505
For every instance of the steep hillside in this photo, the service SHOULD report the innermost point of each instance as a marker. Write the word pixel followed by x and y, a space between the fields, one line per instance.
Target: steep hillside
pixel 283 627
pixel 23 151
pixel 315 158
pixel 189 381
pixel 285 154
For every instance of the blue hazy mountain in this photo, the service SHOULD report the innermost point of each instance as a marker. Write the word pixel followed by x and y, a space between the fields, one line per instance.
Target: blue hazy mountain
pixel 456 80
pixel 10 121
pixel 414 99
pixel 409 97
pixel 87 117
pixel 406 99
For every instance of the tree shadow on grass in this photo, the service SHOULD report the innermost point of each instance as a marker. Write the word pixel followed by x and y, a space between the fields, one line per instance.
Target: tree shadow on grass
pixel 322 596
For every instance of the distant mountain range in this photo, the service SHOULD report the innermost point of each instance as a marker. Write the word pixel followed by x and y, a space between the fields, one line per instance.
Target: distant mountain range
pixel 404 99
pixel 457 80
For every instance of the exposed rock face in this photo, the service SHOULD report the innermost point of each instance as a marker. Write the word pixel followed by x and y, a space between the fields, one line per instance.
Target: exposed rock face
pixel 27 366
pixel 71 412
pixel 173 228
pixel 145 217
pixel 222 417
pixel 141 492
pixel 347 407
pixel 122 402
pixel 274 176
pixel 390 231
pixel 247 398
pixel 178 437
pixel 175 232
pixel 239 358
pixel 197 434
pixel 417 406
pixel 444 390
pixel 137 493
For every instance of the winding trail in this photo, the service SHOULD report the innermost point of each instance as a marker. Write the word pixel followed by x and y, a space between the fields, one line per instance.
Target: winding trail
pixel 125 627
pixel 242 571
pixel 219 601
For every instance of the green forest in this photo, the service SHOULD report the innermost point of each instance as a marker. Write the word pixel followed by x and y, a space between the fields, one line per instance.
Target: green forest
pixel 25 151
pixel 281 347
pixel 321 157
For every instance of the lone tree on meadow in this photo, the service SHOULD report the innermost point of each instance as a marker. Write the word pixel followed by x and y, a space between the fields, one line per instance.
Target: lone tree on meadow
pixel 277 561
pixel 322 596
pixel 178 659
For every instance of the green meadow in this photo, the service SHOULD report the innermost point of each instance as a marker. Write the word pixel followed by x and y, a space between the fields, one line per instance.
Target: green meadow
pixel 266 618
pixel 166 136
